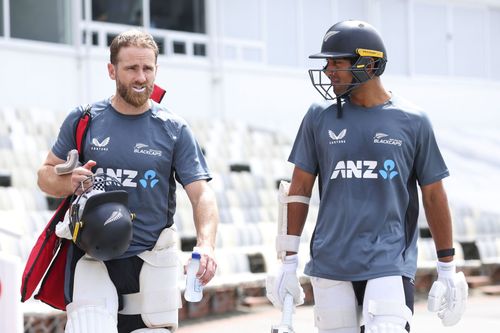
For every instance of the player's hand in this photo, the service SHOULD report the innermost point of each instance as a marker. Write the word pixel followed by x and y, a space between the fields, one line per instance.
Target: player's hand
pixel 208 264
pixel 285 281
pixel 80 175
pixel 448 294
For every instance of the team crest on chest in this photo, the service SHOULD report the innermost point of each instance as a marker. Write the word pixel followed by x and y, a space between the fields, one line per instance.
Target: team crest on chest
pixel 386 139
pixel 141 148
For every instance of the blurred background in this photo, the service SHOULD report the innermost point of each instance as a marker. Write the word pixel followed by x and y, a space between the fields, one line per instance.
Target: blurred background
pixel 236 70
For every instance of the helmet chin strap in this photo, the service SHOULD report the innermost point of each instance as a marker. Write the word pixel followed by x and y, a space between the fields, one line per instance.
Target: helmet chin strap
pixel 354 83
pixel 344 95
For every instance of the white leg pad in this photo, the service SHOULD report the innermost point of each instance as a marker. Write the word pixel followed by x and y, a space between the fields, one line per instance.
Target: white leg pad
pixel 95 300
pixel 89 319
pixel 335 318
pixel 159 298
pixel 151 330
pixel 335 309
pixel 385 328
pixel 384 306
pixel 387 317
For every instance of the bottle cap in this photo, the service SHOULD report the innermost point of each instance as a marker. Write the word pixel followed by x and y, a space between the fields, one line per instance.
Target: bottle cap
pixel 195 255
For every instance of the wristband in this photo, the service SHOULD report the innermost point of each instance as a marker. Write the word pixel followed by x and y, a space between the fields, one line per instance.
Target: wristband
pixel 446 253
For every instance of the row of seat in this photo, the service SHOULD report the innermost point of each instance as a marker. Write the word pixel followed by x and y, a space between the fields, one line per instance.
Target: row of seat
pixel 22 199
pixel 247 164
pixel 12 159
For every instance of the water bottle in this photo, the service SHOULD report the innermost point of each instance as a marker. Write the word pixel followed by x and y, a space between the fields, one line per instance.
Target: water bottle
pixel 194 289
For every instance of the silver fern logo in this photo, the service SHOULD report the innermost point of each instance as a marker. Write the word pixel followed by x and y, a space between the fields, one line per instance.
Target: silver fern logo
pixel 329 34
pixel 337 138
pixel 115 216
pixel 100 145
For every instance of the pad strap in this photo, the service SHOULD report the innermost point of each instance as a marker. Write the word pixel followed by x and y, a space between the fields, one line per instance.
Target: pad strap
pixel 295 198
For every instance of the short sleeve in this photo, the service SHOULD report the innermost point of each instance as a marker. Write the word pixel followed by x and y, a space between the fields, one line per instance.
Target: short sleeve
pixel 189 162
pixel 429 163
pixel 304 154
pixel 66 138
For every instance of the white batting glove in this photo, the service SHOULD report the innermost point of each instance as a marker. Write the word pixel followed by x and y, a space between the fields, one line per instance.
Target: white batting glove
pixel 448 295
pixel 285 281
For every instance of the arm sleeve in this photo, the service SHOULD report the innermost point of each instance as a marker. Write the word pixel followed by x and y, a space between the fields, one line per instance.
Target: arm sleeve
pixel 304 154
pixel 429 163
pixel 66 138
pixel 189 162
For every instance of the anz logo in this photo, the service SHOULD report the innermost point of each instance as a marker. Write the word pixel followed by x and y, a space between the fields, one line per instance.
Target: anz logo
pixel 149 179
pixel 364 169
pixel 128 178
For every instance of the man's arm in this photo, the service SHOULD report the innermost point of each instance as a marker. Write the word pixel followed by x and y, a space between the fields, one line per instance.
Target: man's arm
pixel 301 185
pixel 206 219
pixel 294 204
pixel 438 216
pixel 448 295
pixel 61 185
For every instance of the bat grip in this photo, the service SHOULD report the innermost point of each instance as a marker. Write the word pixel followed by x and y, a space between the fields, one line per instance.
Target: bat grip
pixel 71 163
pixel 288 306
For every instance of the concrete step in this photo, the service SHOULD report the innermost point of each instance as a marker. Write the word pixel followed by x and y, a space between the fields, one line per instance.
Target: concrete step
pixel 252 301
pixel 492 290
pixel 477 281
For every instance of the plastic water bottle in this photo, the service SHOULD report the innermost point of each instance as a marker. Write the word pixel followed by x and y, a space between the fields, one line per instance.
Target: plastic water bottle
pixel 194 288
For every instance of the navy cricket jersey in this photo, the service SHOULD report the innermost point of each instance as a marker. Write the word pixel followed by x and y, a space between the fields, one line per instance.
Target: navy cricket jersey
pixel 368 164
pixel 146 153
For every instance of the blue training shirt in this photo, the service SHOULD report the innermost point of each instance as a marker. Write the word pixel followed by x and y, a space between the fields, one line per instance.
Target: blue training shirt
pixel 368 164
pixel 146 153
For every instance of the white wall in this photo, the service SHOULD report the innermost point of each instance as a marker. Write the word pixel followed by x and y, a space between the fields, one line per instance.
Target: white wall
pixel 52 77
pixel 38 74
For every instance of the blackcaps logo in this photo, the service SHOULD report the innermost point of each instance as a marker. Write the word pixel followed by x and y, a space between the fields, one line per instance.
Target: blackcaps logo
pixel 141 148
pixel 385 139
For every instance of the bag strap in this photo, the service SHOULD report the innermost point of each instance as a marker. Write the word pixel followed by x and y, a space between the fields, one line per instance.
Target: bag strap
pixel 157 94
pixel 81 129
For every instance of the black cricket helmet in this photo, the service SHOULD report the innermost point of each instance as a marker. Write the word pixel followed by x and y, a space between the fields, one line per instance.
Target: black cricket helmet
pixel 103 227
pixel 355 40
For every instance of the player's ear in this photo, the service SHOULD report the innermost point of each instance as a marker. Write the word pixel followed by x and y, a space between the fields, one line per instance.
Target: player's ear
pixel 112 71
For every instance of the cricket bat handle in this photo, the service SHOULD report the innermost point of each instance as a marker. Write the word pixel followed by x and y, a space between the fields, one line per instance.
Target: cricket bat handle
pixel 288 306
pixel 71 163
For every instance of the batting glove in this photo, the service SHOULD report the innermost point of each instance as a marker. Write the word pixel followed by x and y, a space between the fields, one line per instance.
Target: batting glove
pixel 448 295
pixel 285 281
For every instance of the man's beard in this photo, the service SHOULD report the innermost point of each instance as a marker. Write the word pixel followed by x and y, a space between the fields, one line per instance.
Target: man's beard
pixel 136 99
